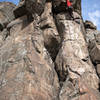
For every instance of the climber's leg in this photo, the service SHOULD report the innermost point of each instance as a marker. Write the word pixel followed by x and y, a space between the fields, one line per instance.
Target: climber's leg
pixel 70 10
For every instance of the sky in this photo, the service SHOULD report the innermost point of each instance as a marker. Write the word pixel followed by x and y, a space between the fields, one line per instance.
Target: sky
pixel 90 10
pixel 14 1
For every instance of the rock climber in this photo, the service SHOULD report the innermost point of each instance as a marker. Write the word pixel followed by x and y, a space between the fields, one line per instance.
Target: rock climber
pixel 70 7
pixel 69 3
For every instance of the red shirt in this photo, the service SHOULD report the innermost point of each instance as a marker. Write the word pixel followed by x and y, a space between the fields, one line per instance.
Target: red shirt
pixel 68 3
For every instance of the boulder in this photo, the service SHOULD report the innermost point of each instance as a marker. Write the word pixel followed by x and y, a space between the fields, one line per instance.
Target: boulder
pixel 93 40
pixel 89 25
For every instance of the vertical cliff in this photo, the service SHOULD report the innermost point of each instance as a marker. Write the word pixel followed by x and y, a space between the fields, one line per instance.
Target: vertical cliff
pixel 48 52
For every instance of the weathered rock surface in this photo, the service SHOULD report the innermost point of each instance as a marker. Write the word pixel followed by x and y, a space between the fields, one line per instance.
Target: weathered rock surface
pixel 47 52
pixel 20 10
pixel 24 73
pixel 50 33
pixel 73 56
pixel 6 13
pixel 78 90
pixel 89 25
pixel 93 40
pixel 37 5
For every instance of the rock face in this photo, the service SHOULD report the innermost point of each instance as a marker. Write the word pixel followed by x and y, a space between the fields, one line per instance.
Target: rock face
pixel 48 53
pixel 37 5
pixel 93 40
pixel 6 14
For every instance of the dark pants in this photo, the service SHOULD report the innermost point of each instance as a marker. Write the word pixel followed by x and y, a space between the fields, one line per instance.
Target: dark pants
pixel 70 10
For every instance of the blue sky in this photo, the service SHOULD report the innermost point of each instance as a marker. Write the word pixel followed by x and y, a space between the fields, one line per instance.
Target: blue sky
pixel 14 1
pixel 90 10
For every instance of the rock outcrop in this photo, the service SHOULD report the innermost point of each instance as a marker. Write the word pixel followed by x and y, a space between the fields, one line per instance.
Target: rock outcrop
pixel 93 41
pixel 47 52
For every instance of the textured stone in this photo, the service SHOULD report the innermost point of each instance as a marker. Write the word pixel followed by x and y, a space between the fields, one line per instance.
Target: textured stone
pixel 90 25
pixel 95 52
pixel 20 10
pixel 44 54
pixel 78 90
pixel 73 56
pixel 93 40
pixel 35 6
pixel 50 33
pixel 25 74
pixel 98 69
pixel 6 14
